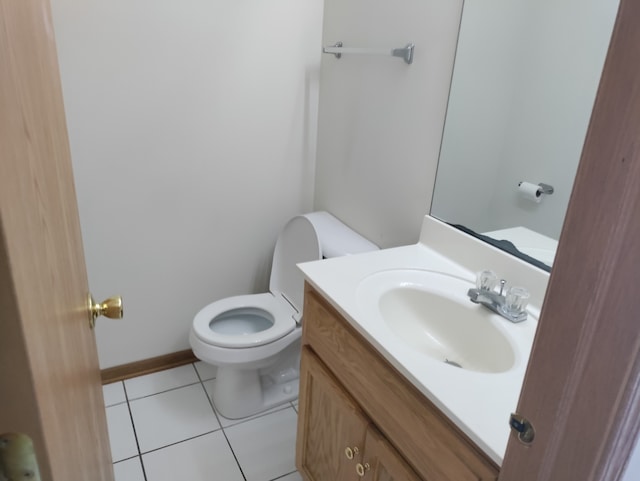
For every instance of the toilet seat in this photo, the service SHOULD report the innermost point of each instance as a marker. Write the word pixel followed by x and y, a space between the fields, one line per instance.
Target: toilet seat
pixel 273 308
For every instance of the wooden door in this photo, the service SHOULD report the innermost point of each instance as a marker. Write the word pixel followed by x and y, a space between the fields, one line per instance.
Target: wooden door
pixel 383 462
pixel 581 388
pixel 49 375
pixel 333 424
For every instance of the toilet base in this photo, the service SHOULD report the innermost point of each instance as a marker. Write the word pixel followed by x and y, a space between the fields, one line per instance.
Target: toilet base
pixel 238 394
pixel 241 392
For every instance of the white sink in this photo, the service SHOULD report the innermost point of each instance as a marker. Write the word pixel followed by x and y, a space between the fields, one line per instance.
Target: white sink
pixel 430 313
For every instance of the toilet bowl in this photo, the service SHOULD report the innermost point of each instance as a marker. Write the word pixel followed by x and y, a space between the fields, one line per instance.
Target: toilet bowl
pixel 255 339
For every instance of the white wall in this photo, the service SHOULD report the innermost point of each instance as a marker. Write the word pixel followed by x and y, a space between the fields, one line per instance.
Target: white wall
pixel 520 111
pixel 192 128
pixel 380 119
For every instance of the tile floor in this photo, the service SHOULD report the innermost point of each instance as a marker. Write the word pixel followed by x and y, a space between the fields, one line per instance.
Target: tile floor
pixel 163 427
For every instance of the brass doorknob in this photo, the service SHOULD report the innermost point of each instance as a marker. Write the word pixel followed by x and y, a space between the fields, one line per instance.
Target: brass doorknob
pixel 111 308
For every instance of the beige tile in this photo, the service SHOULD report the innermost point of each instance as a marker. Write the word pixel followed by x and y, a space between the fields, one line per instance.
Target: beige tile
pixel 204 458
pixel 113 394
pixel 172 416
pixel 129 470
pixel 265 446
pixel 121 435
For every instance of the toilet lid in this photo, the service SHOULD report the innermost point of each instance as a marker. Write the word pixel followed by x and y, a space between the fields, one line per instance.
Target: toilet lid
pixel 298 242
pixel 244 321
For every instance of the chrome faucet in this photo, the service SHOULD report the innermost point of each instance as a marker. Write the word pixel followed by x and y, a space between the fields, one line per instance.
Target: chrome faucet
pixel 511 306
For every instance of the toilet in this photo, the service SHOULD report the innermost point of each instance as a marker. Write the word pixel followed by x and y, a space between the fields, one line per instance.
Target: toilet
pixel 254 339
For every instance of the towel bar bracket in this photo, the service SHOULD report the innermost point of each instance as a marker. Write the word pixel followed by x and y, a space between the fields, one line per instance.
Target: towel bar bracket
pixel 336 54
pixel 405 53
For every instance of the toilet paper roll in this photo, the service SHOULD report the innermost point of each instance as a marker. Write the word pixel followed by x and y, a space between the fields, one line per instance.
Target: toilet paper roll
pixel 529 191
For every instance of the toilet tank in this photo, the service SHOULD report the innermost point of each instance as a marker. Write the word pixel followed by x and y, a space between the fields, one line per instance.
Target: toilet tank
pixel 336 239
pixel 307 238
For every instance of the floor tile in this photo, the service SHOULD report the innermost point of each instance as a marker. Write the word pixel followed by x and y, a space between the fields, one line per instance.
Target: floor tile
pixel 172 416
pixel 226 422
pixel 129 470
pixel 289 477
pixel 206 371
pixel 265 446
pixel 113 393
pixel 121 435
pixel 204 458
pixel 138 387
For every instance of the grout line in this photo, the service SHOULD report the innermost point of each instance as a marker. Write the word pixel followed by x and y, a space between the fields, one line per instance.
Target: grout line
pixel 223 431
pixel 125 459
pixel 193 365
pixel 284 475
pixel 135 433
pixel 115 403
pixel 200 377
pixel 144 471
pixel 181 441
pixel 161 392
pixel 234 456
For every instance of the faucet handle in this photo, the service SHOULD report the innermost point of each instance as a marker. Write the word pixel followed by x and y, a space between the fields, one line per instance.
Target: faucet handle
pixel 516 300
pixel 486 280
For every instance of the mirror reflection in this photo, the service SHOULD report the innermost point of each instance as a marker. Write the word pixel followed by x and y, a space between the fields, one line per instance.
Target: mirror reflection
pixel 524 83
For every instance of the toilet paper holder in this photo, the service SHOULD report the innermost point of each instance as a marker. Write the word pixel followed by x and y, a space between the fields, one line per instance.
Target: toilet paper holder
pixel 543 188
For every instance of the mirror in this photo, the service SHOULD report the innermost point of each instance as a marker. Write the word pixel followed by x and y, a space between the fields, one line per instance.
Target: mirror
pixel 524 83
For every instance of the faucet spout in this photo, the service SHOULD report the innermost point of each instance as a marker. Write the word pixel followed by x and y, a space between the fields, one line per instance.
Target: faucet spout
pixel 495 302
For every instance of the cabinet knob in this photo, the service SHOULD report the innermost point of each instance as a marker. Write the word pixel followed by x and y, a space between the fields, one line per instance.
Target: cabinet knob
pixel 350 453
pixel 362 468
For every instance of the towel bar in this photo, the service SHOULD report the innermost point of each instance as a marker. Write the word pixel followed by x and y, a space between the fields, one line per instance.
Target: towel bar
pixel 405 53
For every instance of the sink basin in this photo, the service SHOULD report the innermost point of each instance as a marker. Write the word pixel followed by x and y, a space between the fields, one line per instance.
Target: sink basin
pixel 430 313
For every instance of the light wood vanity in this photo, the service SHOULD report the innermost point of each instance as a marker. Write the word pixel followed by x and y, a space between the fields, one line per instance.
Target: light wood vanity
pixel 360 418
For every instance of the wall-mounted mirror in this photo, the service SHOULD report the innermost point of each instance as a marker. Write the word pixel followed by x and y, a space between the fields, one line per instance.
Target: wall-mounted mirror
pixel 524 83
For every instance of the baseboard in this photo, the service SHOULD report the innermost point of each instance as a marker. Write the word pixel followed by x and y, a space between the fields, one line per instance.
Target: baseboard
pixel 147 366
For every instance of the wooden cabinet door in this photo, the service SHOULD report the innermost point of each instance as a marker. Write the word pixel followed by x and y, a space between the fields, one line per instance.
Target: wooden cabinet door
pixel 383 462
pixel 329 423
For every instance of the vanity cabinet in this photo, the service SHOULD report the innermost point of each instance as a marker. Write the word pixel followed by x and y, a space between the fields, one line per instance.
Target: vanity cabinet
pixel 359 418
pixel 336 440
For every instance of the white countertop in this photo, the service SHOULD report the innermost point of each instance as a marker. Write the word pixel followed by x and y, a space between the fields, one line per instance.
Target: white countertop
pixel 478 403
pixel 529 242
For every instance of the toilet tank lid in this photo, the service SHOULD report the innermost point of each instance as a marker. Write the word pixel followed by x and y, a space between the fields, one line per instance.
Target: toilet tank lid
pixel 337 239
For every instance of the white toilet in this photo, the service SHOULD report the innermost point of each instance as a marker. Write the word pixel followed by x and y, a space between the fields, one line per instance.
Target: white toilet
pixel 255 339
